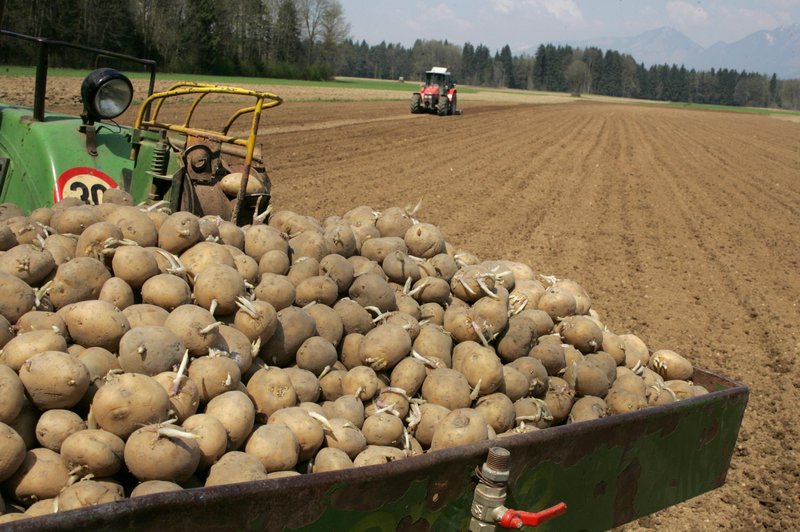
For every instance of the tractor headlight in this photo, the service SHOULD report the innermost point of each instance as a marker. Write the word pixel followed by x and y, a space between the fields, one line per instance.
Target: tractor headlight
pixel 106 93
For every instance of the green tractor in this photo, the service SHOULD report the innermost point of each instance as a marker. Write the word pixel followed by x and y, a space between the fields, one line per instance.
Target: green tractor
pixel 46 157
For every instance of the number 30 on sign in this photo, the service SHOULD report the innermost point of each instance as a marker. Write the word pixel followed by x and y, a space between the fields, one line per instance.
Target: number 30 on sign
pixel 85 183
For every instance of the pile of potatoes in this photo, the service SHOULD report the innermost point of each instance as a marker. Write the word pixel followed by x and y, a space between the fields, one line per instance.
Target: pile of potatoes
pixel 144 351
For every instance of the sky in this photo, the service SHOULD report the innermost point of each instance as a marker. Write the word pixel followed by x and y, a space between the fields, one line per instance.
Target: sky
pixel 527 23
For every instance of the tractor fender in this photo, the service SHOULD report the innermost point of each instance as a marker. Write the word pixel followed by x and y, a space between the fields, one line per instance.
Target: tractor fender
pixel 49 160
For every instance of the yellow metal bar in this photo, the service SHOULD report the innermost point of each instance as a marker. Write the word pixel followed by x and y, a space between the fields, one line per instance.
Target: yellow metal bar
pixel 251 140
pixel 240 112
pixel 182 89
pixel 193 107
pixel 172 90
pixel 248 159
pixel 264 100
pixel 197 132
pixel 235 116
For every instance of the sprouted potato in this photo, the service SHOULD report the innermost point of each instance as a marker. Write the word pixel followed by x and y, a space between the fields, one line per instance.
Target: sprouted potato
pixel 236 413
pixel 53 379
pixel 12 451
pixel 212 438
pixel 150 487
pixel 54 426
pixel 93 452
pixel 275 446
pixel 127 401
pixel 162 452
pixel 13 393
pixel 41 475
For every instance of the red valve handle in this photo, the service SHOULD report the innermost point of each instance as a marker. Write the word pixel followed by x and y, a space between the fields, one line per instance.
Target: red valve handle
pixel 518 519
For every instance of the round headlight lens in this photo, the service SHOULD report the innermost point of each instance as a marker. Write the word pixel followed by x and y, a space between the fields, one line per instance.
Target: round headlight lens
pixel 106 93
pixel 113 98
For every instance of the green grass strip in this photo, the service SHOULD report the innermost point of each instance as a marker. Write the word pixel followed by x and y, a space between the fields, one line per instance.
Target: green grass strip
pixel 717 107
pixel 341 83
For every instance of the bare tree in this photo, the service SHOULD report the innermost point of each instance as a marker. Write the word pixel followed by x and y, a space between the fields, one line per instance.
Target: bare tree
pixel 334 30
pixel 790 93
pixel 578 77
pixel 310 13
pixel 322 24
pixel 752 91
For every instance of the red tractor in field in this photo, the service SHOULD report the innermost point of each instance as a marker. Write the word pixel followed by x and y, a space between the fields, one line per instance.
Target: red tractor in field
pixel 438 94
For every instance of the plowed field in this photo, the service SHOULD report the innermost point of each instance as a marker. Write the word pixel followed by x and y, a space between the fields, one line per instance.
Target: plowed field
pixel 684 226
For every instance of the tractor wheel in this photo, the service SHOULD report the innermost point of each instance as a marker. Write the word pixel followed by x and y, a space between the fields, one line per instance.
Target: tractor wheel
pixel 415 106
pixel 443 106
pixel 453 107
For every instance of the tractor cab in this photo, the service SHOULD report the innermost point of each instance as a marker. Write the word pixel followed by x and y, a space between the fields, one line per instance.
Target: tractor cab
pixel 437 94
pixel 46 157
pixel 438 78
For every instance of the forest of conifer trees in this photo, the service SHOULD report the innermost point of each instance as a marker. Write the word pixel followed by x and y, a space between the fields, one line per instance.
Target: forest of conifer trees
pixel 309 39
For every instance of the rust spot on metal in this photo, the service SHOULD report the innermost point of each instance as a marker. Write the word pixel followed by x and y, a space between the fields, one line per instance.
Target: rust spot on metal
pixel 441 491
pixel 627 486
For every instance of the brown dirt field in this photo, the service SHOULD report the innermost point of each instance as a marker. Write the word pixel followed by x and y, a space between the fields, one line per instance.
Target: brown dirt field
pixel 684 226
pixel 64 92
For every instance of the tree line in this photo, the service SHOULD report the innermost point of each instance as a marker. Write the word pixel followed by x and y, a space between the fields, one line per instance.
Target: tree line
pixel 590 70
pixel 470 64
pixel 567 69
pixel 309 39
pixel 275 38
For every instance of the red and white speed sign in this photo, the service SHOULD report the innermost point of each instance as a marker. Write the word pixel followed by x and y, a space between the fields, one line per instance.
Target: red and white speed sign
pixel 85 183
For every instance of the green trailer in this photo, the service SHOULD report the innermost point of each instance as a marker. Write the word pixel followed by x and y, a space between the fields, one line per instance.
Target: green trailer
pixel 606 473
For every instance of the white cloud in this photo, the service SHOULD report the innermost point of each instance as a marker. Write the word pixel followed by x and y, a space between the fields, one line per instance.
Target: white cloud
pixel 440 11
pixel 435 21
pixel 503 6
pixel 684 14
pixel 562 10
pixel 785 3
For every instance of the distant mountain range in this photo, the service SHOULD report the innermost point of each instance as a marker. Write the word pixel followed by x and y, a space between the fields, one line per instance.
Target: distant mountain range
pixel 767 51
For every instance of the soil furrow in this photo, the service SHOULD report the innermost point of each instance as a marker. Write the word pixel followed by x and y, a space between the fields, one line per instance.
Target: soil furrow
pixel 753 172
